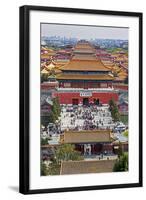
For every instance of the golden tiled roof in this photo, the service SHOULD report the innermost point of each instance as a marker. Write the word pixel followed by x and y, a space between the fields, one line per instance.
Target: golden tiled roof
pixel 107 62
pixel 50 66
pixel 63 76
pixel 84 57
pixel 85 65
pixel 84 50
pixel 86 45
pixel 119 78
pixel 60 62
pixel 57 71
pixel 86 136
pixel 44 56
pixel 44 71
pixel 122 73
pixel 83 167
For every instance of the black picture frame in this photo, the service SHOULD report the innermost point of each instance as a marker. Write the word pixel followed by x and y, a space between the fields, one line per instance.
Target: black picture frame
pixel 25 105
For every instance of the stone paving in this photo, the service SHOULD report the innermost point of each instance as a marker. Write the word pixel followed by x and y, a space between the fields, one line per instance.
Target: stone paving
pixel 83 118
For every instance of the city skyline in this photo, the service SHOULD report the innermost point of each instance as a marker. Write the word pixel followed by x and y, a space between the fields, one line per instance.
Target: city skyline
pixel 84 32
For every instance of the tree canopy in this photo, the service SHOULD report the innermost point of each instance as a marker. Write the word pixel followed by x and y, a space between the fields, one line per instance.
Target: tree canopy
pixel 44 141
pixel 44 77
pixel 67 152
pixel 114 110
pixel 44 170
pixel 125 133
pixel 122 163
pixel 64 152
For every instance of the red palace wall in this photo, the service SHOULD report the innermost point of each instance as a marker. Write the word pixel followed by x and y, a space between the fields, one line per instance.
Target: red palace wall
pixel 120 87
pixel 66 97
pixel 47 86
pixel 83 84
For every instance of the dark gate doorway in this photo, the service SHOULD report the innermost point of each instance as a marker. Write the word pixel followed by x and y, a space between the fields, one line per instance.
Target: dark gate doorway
pixel 75 101
pixel 98 148
pixel 86 101
pixel 96 102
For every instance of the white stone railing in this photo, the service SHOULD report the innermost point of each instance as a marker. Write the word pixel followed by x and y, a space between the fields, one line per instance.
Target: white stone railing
pixel 89 89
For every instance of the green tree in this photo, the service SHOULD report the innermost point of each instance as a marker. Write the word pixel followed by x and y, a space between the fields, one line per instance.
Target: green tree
pixel 44 171
pixel 44 120
pixel 125 133
pixel 52 117
pixel 67 152
pixel 111 104
pixel 44 141
pixel 54 110
pixel 56 107
pixel 121 164
pixel 54 168
pixel 44 77
pixel 120 150
pixel 115 113
pixel 124 118
pixel 64 152
pixel 114 110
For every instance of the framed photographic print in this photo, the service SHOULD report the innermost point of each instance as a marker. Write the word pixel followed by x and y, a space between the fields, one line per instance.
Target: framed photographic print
pixel 80 99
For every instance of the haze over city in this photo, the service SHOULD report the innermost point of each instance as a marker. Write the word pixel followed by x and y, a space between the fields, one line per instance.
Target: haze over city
pixel 84 32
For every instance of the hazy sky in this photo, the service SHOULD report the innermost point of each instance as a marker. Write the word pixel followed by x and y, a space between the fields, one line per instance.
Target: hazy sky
pixel 84 32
